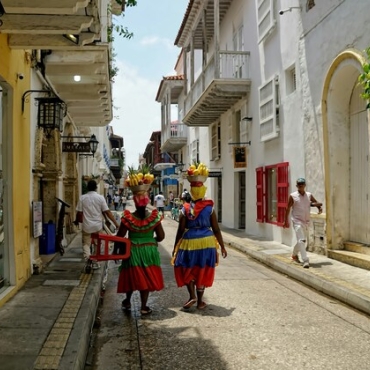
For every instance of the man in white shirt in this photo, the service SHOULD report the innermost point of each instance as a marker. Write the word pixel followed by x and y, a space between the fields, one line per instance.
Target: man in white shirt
pixel 159 202
pixel 91 208
pixel 300 202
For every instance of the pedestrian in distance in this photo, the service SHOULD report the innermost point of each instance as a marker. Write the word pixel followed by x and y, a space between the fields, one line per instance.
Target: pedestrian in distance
pixel 116 201
pixel 123 202
pixel 185 196
pixel 171 199
pixel 142 271
pixel 195 252
pixel 90 209
pixel 300 202
pixel 159 202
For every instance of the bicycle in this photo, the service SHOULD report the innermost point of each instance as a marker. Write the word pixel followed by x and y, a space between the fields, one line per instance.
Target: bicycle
pixel 59 234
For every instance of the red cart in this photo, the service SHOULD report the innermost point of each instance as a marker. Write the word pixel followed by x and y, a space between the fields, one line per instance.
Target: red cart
pixel 101 250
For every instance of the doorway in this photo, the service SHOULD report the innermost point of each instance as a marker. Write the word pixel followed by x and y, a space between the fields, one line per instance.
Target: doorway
pixel 359 169
pixel 241 200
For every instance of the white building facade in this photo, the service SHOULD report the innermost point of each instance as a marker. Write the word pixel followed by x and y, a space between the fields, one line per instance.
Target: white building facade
pixel 270 94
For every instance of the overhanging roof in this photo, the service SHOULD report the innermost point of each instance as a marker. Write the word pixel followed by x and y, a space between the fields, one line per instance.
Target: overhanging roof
pixel 89 100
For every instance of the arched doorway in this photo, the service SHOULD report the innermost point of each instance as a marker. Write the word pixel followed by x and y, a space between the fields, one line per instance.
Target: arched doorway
pixel 359 169
pixel 346 148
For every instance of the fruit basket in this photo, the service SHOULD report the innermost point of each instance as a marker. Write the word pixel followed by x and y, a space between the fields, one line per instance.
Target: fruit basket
pixel 136 188
pixel 198 178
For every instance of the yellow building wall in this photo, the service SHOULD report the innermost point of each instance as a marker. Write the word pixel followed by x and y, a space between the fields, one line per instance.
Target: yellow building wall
pixel 13 62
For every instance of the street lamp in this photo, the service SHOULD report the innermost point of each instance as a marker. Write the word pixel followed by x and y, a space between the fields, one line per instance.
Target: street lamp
pixel 93 144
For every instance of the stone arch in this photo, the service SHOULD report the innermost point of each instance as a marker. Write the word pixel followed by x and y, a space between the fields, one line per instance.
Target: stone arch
pixel 340 81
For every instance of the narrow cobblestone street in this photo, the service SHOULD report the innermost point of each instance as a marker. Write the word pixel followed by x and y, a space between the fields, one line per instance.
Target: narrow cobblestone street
pixel 256 319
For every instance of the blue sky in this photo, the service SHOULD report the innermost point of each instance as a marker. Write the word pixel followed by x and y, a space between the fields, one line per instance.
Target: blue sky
pixel 143 61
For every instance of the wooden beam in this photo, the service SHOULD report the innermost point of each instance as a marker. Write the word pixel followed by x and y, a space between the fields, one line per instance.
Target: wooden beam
pixel 46 42
pixel 43 6
pixel 45 24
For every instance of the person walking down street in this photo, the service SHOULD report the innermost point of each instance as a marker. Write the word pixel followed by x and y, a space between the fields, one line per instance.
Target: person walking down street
pixel 116 201
pixel 171 198
pixel 195 252
pixel 123 202
pixel 185 196
pixel 142 271
pixel 90 209
pixel 159 202
pixel 300 202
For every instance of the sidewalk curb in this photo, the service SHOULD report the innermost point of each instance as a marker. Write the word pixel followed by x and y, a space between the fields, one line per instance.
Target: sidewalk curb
pixel 78 344
pixel 335 288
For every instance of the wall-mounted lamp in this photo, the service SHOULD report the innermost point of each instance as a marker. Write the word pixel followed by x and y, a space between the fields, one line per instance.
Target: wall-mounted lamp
pixel 93 144
pixel 51 112
pixel 281 12
pixel 248 119
pixel 2 12
pixel 73 38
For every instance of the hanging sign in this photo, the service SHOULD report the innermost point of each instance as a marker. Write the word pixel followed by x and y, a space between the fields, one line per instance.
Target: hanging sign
pixel 76 147
pixel 240 156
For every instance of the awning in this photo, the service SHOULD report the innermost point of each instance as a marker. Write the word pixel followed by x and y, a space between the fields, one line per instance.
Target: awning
pixel 163 166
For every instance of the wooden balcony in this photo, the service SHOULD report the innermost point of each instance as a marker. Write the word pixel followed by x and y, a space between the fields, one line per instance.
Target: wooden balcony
pixel 210 97
pixel 174 137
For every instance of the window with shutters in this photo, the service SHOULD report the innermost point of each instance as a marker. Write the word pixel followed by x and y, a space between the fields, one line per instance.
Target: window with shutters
pixel 291 80
pixel 269 109
pixel 260 195
pixel 238 60
pixel 272 187
pixel 194 151
pixel 266 18
pixel 216 142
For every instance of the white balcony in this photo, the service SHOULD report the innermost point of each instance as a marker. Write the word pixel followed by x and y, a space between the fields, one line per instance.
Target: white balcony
pixel 174 137
pixel 210 97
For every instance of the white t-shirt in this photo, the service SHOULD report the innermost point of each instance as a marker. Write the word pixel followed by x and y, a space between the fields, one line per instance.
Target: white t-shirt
pixel 159 199
pixel 301 208
pixel 116 199
pixel 92 205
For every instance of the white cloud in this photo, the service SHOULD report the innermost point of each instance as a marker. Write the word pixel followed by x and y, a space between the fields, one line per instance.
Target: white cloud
pixel 155 40
pixel 138 112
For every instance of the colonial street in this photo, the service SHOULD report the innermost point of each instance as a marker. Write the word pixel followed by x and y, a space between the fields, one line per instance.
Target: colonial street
pixel 256 318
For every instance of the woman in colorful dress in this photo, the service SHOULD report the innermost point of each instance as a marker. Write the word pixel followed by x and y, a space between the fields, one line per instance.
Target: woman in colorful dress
pixel 195 253
pixel 142 271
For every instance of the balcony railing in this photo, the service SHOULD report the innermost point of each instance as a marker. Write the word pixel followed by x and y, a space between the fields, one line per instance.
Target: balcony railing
pixel 174 131
pixel 234 65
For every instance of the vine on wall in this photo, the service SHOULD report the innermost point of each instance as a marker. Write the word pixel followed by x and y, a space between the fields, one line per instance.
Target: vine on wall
pixel 364 78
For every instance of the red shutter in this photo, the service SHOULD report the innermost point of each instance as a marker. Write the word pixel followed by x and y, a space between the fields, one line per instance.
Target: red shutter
pixel 260 194
pixel 282 191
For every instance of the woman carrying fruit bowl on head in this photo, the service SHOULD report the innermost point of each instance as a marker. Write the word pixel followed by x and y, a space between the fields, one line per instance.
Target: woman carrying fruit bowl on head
pixel 142 271
pixel 198 238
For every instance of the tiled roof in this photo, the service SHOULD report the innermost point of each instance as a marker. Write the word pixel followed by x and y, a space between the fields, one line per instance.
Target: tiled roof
pixel 185 19
pixel 168 78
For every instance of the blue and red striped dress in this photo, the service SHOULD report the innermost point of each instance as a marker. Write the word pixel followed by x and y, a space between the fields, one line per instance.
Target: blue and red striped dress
pixel 196 253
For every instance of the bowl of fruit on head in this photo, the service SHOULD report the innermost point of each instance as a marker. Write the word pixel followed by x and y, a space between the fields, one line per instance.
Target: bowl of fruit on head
pixel 140 179
pixel 197 172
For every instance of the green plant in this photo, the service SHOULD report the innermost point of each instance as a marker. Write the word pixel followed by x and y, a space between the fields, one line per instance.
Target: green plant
pixel 364 78
pixel 121 31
